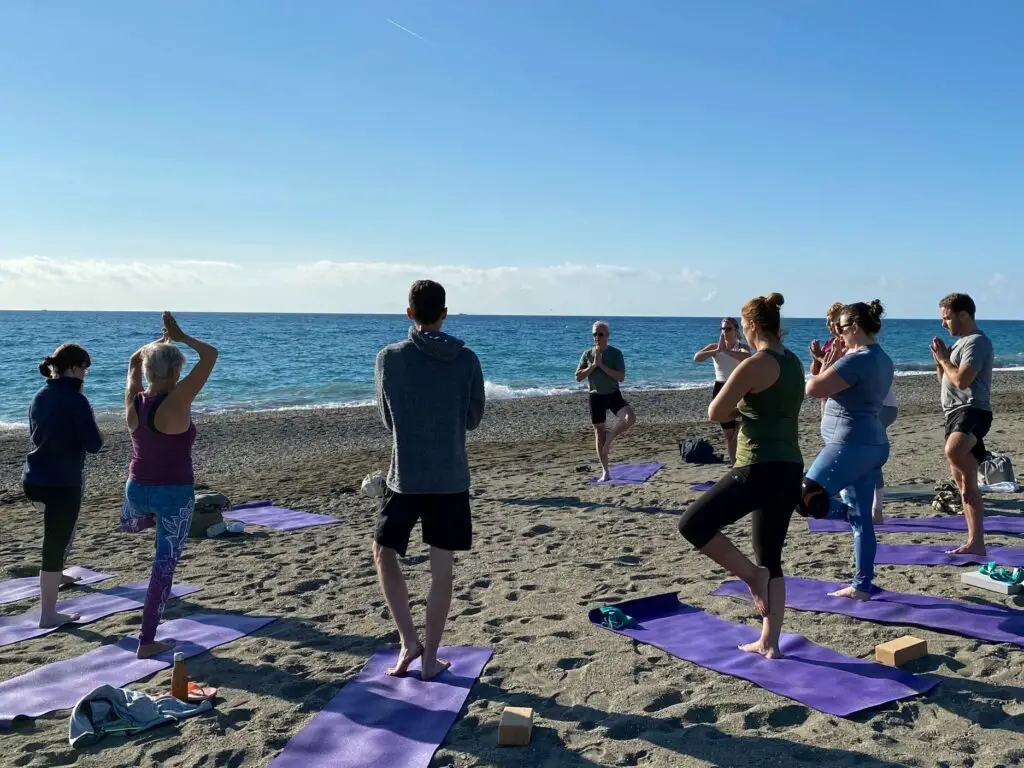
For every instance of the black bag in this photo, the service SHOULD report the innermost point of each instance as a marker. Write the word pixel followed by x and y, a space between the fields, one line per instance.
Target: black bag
pixel 698 452
pixel 209 510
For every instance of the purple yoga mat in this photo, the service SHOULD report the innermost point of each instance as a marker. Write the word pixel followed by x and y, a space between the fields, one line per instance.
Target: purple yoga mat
pixel 704 487
pixel 279 518
pixel 819 677
pixel 954 524
pixel 62 684
pixel 629 474
pixel 986 622
pixel 398 722
pixel 96 605
pixel 20 589
pixel 935 554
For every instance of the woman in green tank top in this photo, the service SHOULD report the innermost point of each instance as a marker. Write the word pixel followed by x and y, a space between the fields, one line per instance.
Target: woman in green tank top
pixel 768 390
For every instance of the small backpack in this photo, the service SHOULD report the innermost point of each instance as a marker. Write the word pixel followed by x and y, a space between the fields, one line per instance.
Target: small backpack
pixel 996 469
pixel 209 510
pixel 698 452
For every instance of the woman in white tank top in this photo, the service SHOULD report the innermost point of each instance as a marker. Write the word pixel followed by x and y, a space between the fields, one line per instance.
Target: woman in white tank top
pixel 727 353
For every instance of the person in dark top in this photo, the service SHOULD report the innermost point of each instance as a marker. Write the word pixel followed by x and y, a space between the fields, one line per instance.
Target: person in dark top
pixel 62 429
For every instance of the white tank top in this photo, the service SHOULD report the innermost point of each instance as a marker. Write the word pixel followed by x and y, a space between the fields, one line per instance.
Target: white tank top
pixel 725 364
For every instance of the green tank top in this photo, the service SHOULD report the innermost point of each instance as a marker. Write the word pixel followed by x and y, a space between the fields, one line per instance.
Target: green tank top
pixel 770 427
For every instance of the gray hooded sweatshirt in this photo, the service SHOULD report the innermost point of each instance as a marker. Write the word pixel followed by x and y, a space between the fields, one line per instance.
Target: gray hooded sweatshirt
pixel 430 390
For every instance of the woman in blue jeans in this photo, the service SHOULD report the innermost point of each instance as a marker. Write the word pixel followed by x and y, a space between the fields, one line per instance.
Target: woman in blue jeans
pixel 855 380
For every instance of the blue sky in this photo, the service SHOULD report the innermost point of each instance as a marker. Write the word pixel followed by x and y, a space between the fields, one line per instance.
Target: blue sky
pixel 583 157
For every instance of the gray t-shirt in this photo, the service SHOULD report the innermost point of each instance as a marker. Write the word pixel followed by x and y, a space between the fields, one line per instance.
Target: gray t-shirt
pixel 976 351
pixel 851 416
pixel 599 382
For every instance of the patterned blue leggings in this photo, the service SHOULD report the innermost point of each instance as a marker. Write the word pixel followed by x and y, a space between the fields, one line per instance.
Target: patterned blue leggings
pixel 168 508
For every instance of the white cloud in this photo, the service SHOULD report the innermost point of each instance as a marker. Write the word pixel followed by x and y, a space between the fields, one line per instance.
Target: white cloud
pixel 709 296
pixel 342 286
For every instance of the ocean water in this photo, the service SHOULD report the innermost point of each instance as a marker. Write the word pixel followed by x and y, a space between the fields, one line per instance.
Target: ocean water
pixel 289 361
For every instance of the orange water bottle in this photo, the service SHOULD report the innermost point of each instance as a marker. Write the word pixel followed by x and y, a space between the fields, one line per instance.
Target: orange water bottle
pixel 179 678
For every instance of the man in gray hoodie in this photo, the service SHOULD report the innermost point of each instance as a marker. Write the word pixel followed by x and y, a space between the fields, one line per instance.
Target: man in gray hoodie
pixel 430 390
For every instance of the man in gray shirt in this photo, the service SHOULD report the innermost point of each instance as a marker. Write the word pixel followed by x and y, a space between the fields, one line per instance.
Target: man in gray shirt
pixel 430 390
pixel 965 373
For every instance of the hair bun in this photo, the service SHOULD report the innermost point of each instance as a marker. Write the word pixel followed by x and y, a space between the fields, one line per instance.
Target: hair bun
pixel 774 300
pixel 876 308
pixel 44 367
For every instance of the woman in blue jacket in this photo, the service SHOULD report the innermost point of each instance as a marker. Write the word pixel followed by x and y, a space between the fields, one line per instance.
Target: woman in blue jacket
pixel 62 429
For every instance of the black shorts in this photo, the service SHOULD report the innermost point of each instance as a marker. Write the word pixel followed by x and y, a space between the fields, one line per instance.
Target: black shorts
pixel 714 393
pixel 971 421
pixel 446 519
pixel 601 404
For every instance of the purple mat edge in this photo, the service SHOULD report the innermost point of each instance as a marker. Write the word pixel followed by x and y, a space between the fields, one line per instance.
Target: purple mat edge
pixel 93 577
pixel 914 684
pixel 736 590
pixel 422 752
pixel 152 665
pixel 658 466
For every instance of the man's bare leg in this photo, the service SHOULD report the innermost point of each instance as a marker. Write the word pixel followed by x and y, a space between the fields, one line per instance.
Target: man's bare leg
pixel 600 443
pixel 396 595
pixel 625 419
pixel 965 471
pixel 438 603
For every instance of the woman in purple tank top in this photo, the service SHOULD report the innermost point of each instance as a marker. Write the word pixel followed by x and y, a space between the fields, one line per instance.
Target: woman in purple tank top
pixel 160 491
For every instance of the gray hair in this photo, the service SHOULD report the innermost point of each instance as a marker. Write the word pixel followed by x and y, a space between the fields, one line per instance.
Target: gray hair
pixel 161 361
pixel 603 324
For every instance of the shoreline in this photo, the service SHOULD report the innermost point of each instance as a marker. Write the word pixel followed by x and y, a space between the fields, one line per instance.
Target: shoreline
pixel 1005 380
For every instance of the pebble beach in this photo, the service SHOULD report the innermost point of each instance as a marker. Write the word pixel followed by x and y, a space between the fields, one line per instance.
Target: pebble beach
pixel 548 547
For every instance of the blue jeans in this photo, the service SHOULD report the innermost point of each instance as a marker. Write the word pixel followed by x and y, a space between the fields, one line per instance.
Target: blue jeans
pixel 856 469
pixel 168 508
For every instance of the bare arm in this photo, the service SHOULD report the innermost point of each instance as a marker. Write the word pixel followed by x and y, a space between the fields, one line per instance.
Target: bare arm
pixel 583 370
pixel 753 374
pixel 616 374
pixel 961 377
pixel 826 384
pixel 132 388
pixel 740 354
pixel 706 353
pixel 188 389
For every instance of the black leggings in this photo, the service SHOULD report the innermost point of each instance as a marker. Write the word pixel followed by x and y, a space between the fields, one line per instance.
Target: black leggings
pixel 770 491
pixel 60 515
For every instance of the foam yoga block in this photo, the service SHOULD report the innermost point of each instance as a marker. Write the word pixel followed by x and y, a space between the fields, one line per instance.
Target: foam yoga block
pixel 984 581
pixel 901 650
pixel 515 727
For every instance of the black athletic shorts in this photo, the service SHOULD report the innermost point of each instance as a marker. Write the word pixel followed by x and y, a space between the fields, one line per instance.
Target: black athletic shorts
pixel 714 393
pixel 971 421
pixel 601 404
pixel 446 520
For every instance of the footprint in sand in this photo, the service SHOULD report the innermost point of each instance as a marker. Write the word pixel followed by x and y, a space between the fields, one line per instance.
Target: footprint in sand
pixel 538 530
pixel 664 701
pixel 571 663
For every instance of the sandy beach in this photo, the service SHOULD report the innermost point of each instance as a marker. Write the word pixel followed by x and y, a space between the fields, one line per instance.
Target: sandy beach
pixel 547 548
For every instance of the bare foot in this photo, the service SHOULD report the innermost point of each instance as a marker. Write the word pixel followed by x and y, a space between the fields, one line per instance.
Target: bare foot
pixel 148 650
pixel 850 592
pixel 765 650
pixel 51 620
pixel 605 477
pixel 430 670
pixel 968 549
pixel 406 657
pixel 759 590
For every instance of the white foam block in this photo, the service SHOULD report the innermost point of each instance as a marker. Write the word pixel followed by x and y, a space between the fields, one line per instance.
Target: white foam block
pixel 983 580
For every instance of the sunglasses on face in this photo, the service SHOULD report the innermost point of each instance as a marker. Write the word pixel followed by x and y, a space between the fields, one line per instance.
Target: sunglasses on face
pixel 727 329
pixel 598 334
